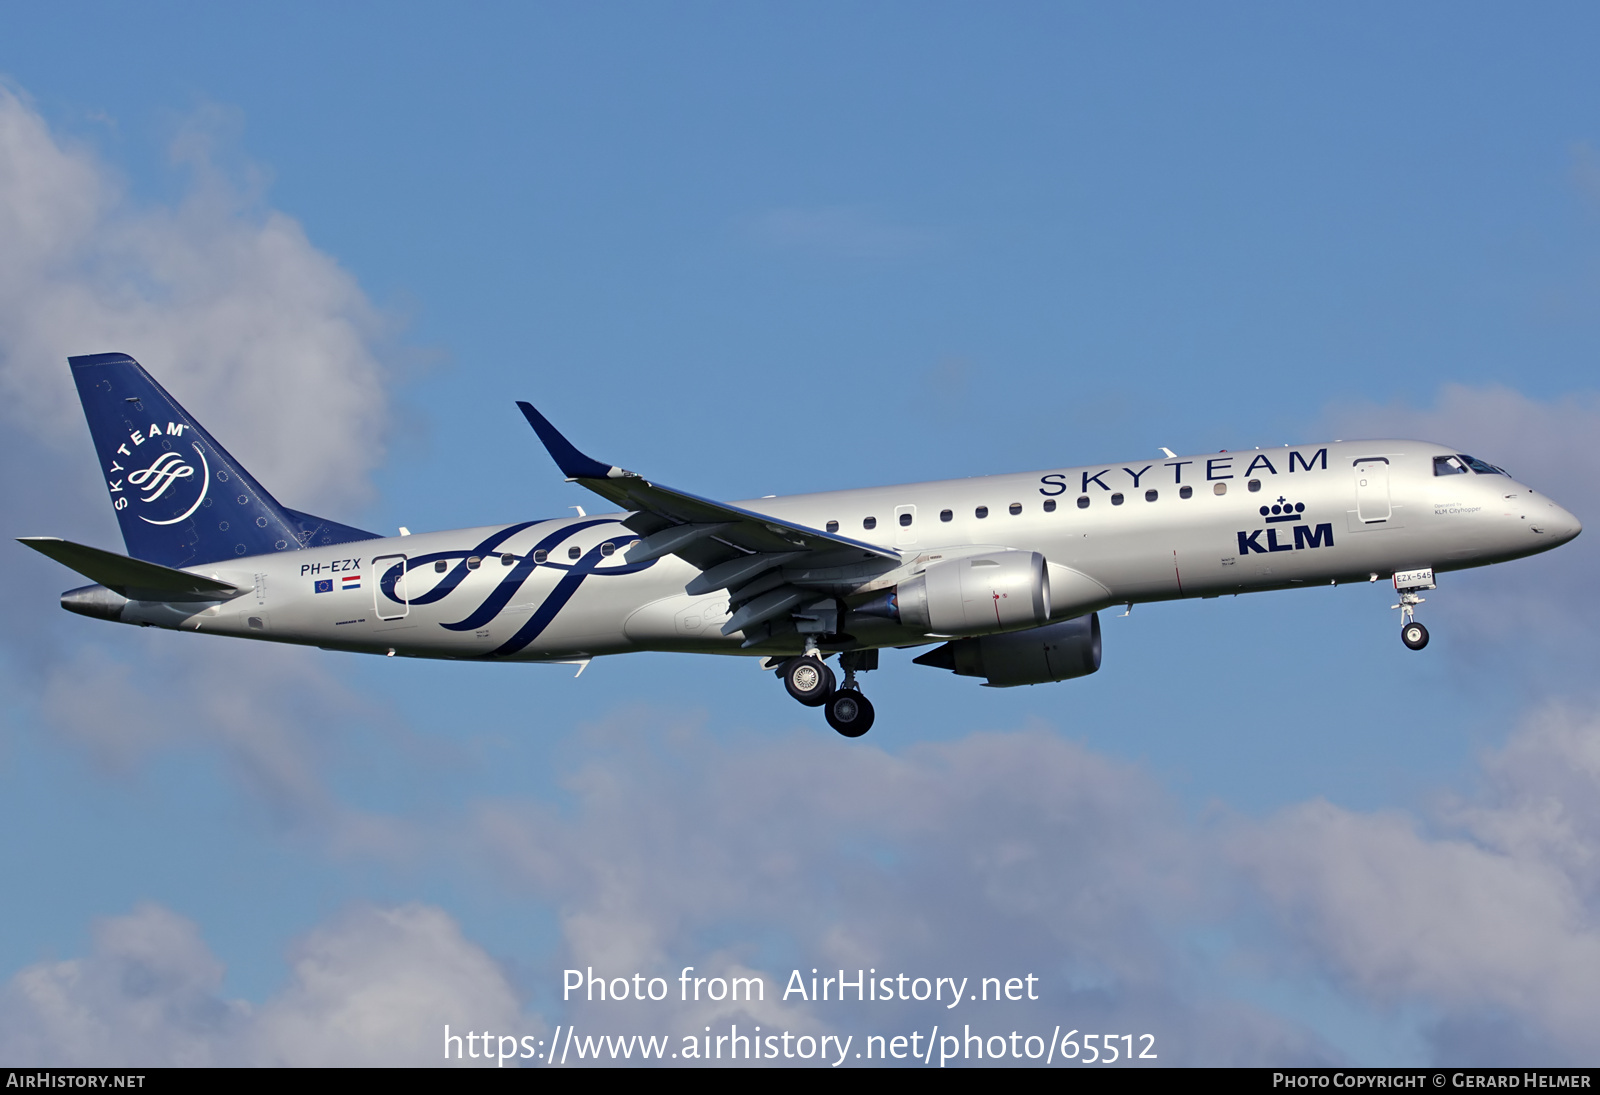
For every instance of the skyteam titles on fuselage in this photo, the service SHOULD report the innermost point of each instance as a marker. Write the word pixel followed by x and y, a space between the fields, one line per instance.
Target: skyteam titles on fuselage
pixel 1217 469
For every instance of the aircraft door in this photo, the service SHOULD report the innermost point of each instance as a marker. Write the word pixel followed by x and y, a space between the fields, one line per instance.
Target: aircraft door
pixel 389 594
pixel 1372 491
pixel 905 525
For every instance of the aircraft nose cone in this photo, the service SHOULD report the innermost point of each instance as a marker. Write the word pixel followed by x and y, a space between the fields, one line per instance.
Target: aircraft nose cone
pixel 1560 525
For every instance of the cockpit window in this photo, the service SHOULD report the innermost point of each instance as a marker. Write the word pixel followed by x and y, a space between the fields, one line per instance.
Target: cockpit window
pixel 1449 465
pixel 1480 467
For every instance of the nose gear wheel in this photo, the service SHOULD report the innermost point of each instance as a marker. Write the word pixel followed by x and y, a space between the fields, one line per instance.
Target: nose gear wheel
pixel 1407 584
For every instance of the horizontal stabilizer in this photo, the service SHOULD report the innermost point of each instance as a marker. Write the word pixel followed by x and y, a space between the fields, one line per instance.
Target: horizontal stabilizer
pixel 133 578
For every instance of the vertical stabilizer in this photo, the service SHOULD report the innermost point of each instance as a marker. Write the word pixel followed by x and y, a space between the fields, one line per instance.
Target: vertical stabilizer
pixel 180 498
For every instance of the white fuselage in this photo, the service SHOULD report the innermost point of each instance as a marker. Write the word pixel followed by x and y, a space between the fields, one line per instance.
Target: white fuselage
pixel 1151 530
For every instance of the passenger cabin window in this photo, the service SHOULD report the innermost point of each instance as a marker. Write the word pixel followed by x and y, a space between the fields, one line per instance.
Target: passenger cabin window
pixel 1049 505
pixel 1220 488
pixel 870 522
pixel 1254 484
pixel 441 566
pixel 1083 501
pixel 1480 467
pixel 905 520
pixel 540 556
pixel 1151 496
pixel 473 562
pixel 1016 508
pixel 981 511
pixel 1185 492
pixel 607 548
pixel 833 526
pixel 507 559
pixel 1116 499
pixel 945 515
pixel 572 552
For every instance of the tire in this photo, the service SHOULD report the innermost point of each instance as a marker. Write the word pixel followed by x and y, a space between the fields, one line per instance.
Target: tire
pixel 808 680
pixel 850 713
pixel 1414 635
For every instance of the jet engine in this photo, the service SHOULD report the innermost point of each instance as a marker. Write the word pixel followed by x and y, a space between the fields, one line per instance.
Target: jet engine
pixel 999 591
pixel 1057 652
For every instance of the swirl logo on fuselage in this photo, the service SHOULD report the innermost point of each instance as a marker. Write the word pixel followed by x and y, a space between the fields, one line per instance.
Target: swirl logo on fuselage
pixel 523 566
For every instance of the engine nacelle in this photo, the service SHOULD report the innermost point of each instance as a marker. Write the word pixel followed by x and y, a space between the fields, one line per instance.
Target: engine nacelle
pixel 999 591
pixel 1039 655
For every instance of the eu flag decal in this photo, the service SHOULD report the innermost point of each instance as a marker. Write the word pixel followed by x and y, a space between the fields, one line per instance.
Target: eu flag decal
pixel 325 586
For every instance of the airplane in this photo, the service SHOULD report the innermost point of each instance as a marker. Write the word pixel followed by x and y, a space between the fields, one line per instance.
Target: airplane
pixel 1006 573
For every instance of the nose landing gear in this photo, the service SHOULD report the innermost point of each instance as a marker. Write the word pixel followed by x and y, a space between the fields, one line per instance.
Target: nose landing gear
pixel 1407 583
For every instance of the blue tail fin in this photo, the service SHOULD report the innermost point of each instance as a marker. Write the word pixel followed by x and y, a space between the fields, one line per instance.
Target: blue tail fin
pixel 180 498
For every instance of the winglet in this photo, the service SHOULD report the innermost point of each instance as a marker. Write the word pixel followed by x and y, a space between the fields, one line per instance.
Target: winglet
pixel 573 464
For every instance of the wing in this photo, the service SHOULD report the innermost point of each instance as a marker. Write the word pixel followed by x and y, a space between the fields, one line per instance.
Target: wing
pixel 736 549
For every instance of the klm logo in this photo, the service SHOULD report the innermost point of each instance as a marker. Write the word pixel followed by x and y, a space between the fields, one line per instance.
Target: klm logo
pixel 1305 535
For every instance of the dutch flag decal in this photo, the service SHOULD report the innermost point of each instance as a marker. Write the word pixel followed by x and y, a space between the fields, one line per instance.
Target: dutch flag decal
pixel 350 581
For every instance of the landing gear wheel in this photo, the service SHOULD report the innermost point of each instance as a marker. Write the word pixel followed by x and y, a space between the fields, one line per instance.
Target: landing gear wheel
pixel 849 712
pixel 1414 635
pixel 808 680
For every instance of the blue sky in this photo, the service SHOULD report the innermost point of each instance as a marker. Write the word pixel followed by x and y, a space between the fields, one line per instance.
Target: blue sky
pixel 756 249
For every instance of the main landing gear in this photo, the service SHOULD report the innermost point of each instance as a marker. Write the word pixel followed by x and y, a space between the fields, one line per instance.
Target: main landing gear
pixel 1408 583
pixel 809 680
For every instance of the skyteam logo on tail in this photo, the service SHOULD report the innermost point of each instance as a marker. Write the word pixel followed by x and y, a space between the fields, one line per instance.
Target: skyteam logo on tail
pixel 1284 512
pixel 155 479
pixel 169 481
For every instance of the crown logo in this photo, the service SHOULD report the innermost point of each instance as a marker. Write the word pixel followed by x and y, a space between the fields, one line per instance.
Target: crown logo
pixel 1283 511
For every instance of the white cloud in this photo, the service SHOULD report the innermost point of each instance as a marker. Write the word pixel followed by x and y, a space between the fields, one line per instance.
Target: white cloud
pixel 1028 853
pixel 1492 915
pixel 279 716
pixel 147 995
pixel 379 987
pixel 996 855
pixel 266 339
pixel 375 987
